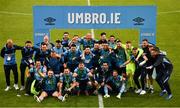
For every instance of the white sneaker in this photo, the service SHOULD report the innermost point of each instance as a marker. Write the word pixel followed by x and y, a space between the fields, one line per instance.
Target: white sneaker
pixel 22 88
pixel 106 96
pixel 37 98
pixel 118 96
pixel 142 92
pixel 7 88
pixel 16 86
pixel 125 90
pixel 63 99
pixel 26 94
pixel 60 98
pixel 151 90
pixel 138 91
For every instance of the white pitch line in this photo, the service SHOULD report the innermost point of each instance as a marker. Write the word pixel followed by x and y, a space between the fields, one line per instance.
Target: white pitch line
pixel 15 13
pixel 101 105
pixel 89 2
pixel 92 30
pixel 28 14
pixel 169 12
pixel 100 99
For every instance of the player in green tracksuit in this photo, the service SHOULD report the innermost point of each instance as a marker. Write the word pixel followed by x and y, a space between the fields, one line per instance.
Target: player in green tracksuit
pixel 130 68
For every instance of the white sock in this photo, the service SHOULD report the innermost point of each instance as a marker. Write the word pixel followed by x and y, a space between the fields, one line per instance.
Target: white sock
pixel 151 86
pixel 105 90
pixel 41 98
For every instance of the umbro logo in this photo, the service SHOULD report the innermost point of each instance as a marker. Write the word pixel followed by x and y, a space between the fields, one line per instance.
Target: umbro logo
pixel 138 21
pixel 49 21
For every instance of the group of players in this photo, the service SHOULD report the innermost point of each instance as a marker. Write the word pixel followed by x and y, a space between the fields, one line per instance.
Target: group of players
pixel 85 65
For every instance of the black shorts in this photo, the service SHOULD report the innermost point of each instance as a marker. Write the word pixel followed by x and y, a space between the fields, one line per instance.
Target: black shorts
pixel 114 87
pixel 49 93
pixel 83 83
pixel 100 80
pixel 121 70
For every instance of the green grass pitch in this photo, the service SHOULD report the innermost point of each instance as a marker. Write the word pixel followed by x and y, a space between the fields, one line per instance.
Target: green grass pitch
pixel 20 28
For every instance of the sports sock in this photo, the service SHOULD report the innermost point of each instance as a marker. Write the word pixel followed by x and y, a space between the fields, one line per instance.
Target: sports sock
pixel 105 90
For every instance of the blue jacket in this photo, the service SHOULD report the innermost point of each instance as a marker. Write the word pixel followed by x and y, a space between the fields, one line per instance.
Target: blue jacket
pixel 86 43
pixel 27 54
pixel 55 64
pixel 65 43
pixel 72 57
pixel 43 56
pixel 106 56
pixel 9 54
pixel 88 60
pixel 59 51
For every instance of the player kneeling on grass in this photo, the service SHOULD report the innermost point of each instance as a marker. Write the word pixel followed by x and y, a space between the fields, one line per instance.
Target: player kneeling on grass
pixel 66 84
pixel 103 74
pixel 81 73
pixel 115 83
pixel 49 86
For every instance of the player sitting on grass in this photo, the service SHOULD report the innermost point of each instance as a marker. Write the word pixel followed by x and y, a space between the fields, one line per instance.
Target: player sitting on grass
pixel 49 86
pixel 36 85
pixel 81 73
pixel 115 83
pixel 66 84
